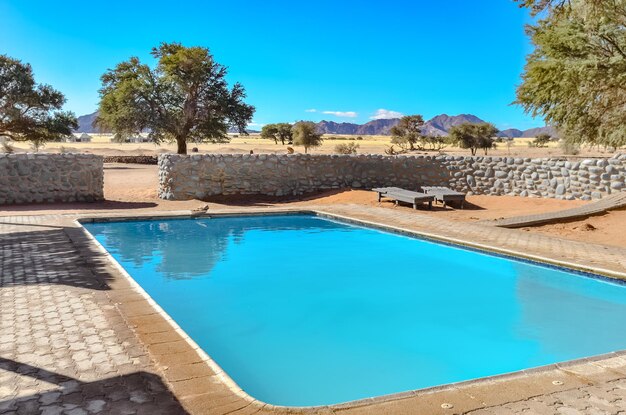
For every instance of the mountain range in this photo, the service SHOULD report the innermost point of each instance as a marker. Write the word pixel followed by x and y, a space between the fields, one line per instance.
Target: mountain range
pixel 437 126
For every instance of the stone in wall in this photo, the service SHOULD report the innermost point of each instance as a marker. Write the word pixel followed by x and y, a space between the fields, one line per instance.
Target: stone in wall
pixel 48 178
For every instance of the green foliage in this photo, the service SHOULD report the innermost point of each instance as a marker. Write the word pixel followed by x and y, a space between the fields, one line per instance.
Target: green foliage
pixel 474 136
pixel 576 77
pixel 541 140
pixel 434 143
pixel 30 111
pixel 347 148
pixel 305 134
pixel 407 132
pixel 184 98
pixel 280 131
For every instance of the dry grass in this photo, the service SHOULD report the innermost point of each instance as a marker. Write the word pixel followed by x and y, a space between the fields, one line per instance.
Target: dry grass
pixel 370 144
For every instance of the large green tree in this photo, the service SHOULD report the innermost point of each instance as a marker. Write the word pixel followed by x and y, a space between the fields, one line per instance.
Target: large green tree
pixel 185 98
pixel 305 134
pixel 30 111
pixel 576 76
pixel 474 136
pixel 407 132
pixel 278 132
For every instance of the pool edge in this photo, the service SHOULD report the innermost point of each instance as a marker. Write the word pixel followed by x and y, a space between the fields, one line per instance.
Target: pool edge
pixel 239 392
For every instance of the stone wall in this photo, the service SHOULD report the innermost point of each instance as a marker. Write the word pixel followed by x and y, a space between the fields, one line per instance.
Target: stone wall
pixel 203 175
pixel 40 177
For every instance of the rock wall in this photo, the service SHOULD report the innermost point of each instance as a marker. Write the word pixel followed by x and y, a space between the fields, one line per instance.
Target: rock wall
pixel 203 175
pixel 40 177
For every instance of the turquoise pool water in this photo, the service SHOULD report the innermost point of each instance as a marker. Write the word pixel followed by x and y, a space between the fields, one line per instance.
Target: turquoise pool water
pixel 300 310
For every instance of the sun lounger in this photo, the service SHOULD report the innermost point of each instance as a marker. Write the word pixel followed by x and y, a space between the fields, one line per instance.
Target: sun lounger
pixel 444 194
pixel 402 195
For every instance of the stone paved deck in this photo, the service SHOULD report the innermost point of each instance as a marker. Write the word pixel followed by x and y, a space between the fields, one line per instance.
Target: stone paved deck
pixel 76 337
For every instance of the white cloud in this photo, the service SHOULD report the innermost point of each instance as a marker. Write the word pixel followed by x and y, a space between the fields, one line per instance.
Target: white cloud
pixel 349 114
pixel 383 114
pixel 255 124
pixel 311 110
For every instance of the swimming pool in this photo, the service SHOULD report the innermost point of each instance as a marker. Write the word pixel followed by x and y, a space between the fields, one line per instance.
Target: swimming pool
pixel 301 310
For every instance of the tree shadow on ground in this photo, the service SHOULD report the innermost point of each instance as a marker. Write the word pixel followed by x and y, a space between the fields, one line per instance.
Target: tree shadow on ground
pixel 56 255
pixel 138 392
pixel 265 200
pixel 70 206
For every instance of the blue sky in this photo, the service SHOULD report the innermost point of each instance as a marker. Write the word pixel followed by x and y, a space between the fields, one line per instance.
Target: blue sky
pixel 350 59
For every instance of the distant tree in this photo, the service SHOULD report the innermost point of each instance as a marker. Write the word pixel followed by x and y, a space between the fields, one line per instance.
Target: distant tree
pixel 30 111
pixel 185 98
pixel 346 148
pixel 305 134
pixel 280 131
pixel 576 76
pixel 474 136
pixel 541 140
pixel 433 142
pixel 269 132
pixel 407 132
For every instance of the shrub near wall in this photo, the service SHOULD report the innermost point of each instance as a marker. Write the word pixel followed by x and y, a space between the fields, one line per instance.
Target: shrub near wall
pixel 205 175
pixel 39 178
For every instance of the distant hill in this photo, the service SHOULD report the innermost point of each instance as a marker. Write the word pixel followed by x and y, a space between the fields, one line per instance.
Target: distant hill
pixel 85 123
pixel 534 132
pixel 441 124
pixel 437 126
pixel 511 133
pixel 375 127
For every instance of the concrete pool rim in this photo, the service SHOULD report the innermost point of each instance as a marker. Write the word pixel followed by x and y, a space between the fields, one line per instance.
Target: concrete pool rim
pixel 586 271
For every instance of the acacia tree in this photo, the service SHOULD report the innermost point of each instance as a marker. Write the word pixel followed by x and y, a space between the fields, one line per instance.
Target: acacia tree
pixel 407 132
pixel 30 111
pixel 474 136
pixel 280 131
pixel 541 140
pixel 305 134
pixel 184 98
pixel 576 76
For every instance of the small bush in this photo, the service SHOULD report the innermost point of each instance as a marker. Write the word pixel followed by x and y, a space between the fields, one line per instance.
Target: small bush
pixel 194 150
pixel 346 148
pixel 359 138
pixel 7 147
pixel 37 145
pixel 569 148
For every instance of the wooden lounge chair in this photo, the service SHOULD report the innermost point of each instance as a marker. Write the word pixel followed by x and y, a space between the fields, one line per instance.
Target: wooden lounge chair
pixel 445 194
pixel 402 195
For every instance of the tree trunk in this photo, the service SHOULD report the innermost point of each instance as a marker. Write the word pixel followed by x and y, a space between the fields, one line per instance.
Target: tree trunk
pixel 182 145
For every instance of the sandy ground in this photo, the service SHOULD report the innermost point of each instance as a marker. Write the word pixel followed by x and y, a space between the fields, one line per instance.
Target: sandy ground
pixel 101 145
pixel 131 186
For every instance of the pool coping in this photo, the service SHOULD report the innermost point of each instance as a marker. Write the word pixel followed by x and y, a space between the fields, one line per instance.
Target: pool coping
pixel 233 387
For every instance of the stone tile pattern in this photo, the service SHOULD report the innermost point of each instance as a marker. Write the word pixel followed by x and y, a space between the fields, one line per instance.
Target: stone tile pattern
pixel 204 175
pixel 40 177
pixel 64 346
